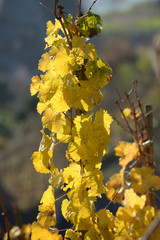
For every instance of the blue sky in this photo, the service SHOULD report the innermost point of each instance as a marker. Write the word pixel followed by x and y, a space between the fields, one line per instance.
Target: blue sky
pixel 102 6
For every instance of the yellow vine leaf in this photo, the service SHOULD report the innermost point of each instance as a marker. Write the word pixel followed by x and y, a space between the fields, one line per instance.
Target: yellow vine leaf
pixel 26 231
pixel 127 152
pixel 125 214
pixel 45 63
pixel 89 51
pixel 64 133
pixel 81 51
pixel 58 102
pixel 81 219
pixel 88 95
pixel 73 235
pixel 47 211
pixel 42 160
pixel 57 93
pixel 52 120
pixel 85 223
pixel 115 188
pixel 133 200
pixel 143 179
pixel 72 154
pixel 62 94
pixel 120 230
pixel 98 69
pixel 81 208
pixel 64 209
pixel 75 94
pixel 94 233
pixel 50 83
pixel 41 233
pixel 148 213
pixel 41 107
pixel 93 179
pixel 56 177
pixel 52 33
pixel 60 61
pixel 35 85
pixel 127 112
pixel 53 28
pixel 105 219
pixel 98 138
pixel 132 204
pixel 70 175
pixel 141 221
pixel 135 221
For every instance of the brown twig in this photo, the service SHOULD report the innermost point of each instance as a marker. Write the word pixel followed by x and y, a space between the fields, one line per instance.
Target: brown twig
pixel 59 8
pixel 142 134
pixel 79 9
pixel 46 7
pixel 61 141
pixel 71 121
pixel 2 232
pixel 89 9
pixel 114 196
pixel 61 197
pixel 55 230
pixel 134 114
pixel 55 9
pixel 58 18
pixel 127 123
pixel 65 33
pixel 119 123
pixel 5 217
pixel 16 214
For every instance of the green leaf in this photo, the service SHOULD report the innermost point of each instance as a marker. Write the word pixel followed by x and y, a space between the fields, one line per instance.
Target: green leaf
pixel 90 25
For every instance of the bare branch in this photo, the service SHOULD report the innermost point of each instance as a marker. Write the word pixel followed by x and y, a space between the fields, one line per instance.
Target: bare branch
pixel 5 217
pixel 46 7
pixel 55 9
pixel 89 9
pixel 79 9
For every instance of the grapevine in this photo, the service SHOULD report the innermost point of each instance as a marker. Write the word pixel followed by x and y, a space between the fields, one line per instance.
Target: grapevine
pixel 68 89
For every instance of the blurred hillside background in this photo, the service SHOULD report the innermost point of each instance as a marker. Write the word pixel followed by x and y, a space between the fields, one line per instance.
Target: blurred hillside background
pixel 129 42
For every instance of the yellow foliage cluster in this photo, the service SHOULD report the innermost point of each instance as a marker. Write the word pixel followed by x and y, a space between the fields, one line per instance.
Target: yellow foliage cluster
pixel 71 81
pixel 68 89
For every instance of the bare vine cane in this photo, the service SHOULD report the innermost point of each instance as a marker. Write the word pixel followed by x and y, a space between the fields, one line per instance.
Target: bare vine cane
pixel 5 217
pixel 142 133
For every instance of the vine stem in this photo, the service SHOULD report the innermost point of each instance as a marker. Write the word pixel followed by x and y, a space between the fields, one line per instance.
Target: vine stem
pixel 65 33
pixel 61 197
pixel 59 230
pixel 61 141
pixel 121 188
pixel 59 18
pixel 46 7
pixel 5 217
pixel 92 5
pixel 79 9
pixel 127 123
pixel 71 121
